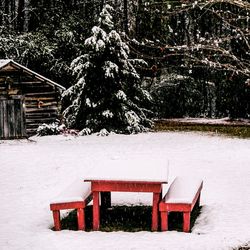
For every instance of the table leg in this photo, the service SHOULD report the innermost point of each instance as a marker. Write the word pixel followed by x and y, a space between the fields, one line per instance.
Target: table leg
pixel 56 216
pixel 155 212
pixel 81 219
pixel 186 222
pixel 96 211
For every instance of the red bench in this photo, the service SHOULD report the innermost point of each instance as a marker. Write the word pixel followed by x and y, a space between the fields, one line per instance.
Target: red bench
pixel 182 196
pixel 76 196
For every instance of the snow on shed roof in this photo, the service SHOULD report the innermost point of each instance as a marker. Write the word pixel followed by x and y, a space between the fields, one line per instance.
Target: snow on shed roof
pixel 5 62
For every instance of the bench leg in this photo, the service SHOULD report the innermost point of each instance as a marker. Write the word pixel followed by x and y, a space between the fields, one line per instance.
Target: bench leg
pixel 56 217
pixel 186 222
pixel 96 211
pixel 81 219
pixel 164 221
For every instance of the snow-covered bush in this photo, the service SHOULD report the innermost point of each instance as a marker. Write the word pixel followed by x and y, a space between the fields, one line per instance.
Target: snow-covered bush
pixel 85 131
pixel 108 92
pixel 103 132
pixel 49 129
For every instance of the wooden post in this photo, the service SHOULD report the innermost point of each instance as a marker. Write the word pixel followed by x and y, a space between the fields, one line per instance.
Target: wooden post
pixel 96 211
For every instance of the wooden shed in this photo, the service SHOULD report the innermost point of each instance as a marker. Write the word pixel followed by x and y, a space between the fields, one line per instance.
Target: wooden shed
pixel 27 100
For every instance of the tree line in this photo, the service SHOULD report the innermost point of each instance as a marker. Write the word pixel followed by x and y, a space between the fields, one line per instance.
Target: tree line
pixel 197 52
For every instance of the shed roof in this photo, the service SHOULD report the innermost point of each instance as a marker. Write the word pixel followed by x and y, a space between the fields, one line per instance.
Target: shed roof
pixel 6 62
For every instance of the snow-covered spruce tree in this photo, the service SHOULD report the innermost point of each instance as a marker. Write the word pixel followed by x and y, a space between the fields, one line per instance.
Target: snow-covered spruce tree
pixel 108 93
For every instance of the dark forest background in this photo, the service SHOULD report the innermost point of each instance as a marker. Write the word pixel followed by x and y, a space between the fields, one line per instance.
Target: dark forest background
pixel 198 52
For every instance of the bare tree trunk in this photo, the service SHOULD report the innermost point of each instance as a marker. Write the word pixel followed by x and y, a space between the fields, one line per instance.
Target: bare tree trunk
pixel 1 12
pixel 101 5
pixel 138 19
pixel 26 16
pixel 6 9
pixel 125 16
pixel 20 16
pixel 12 13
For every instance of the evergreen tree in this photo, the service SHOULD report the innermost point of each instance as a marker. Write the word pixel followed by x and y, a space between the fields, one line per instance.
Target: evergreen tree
pixel 108 93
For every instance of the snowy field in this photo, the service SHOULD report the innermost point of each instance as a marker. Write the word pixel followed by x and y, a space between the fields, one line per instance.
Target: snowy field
pixel 33 172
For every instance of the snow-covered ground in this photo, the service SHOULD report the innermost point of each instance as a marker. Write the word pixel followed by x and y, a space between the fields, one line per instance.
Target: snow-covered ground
pixel 32 172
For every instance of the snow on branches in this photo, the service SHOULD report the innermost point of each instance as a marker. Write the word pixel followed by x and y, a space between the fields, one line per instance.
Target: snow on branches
pixel 211 33
pixel 107 95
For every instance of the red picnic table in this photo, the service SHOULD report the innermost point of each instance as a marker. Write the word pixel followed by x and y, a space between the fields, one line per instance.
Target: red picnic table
pixel 105 186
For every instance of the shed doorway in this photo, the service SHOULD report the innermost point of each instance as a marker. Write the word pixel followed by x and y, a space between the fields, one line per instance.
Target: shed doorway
pixel 12 118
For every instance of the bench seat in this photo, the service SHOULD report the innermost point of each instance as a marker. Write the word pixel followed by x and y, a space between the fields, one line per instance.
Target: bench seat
pixel 76 196
pixel 183 194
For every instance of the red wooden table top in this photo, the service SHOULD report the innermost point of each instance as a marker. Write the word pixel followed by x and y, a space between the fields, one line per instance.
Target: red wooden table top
pixel 126 185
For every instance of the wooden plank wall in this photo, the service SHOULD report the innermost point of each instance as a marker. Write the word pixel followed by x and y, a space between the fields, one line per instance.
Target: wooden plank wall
pixel 12 124
pixel 41 104
pixel 41 100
